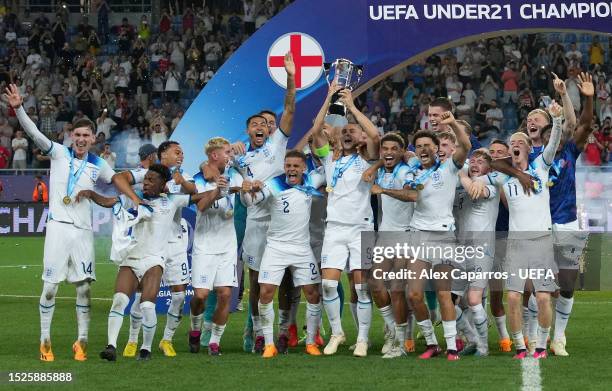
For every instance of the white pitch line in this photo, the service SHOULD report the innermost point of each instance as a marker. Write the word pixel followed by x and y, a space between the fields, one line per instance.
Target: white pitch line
pixel 530 371
pixel 57 297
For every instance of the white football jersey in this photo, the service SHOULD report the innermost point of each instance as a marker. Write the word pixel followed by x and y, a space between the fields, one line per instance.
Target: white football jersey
pixel 478 215
pixel 151 236
pixel 396 214
pixel 214 230
pixel 96 169
pixel 349 201
pixel 177 233
pixel 528 213
pixel 433 210
pixel 290 212
pixel 262 164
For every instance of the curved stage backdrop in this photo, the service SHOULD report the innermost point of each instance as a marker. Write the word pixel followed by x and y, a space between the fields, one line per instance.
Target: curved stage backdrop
pixel 379 34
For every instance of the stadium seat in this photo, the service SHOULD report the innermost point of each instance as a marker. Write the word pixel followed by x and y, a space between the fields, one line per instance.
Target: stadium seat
pixel 569 38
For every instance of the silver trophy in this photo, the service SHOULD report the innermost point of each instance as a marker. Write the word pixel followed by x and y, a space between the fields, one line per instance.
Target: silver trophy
pixel 346 75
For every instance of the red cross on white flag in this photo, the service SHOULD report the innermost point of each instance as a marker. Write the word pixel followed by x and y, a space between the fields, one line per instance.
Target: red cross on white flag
pixel 307 56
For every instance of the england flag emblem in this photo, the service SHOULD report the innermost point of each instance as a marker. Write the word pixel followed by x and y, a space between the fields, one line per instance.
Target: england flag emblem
pixel 307 55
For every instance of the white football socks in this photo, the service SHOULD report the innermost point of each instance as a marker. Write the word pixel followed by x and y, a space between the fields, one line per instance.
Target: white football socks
pixel 364 311
pixel 115 316
pixel 46 308
pixel 149 324
pixel 175 313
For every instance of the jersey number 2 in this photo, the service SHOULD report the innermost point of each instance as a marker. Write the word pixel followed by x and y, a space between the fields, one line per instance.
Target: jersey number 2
pixel 285 207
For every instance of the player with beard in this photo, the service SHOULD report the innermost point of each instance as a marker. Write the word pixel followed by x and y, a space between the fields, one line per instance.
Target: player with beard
pixel 348 214
pixel 434 224
pixel 260 163
pixel 530 240
pixel 569 241
pixel 176 270
pixel 288 244
pixel 392 185
pixel 476 228
pixel 69 245
pixel 499 149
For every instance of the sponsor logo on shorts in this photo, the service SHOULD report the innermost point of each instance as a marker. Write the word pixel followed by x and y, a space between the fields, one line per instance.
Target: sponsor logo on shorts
pixel 323 259
pixel 203 279
pixel 265 275
pixel 250 260
pixel 48 272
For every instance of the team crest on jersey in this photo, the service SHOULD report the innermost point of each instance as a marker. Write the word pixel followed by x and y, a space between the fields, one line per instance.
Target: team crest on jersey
pixel 164 202
pixel 175 189
pixel 94 174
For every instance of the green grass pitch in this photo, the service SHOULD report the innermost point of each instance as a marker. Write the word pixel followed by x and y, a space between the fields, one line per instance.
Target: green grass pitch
pixel 588 334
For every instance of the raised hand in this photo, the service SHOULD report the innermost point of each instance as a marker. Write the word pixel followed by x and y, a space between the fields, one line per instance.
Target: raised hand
pixel 447 118
pixel 585 84
pixel 12 96
pixel 238 148
pixel 289 64
pixel 178 178
pixel 346 97
pixel 555 110
pixel 559 84
pixel 369 175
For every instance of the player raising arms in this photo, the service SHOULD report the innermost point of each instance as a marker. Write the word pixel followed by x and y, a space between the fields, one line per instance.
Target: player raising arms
pixel 529 238
pixel 69 250
pixel 568 240
pixel 391 184
pixel 348 214
pixel 176 270
pixel 261 162
pixel 433 223
pixel 288 244
pixel 213 263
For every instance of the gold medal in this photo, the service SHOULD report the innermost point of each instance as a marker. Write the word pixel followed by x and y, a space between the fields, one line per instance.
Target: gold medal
pixel 66 200
pixel 329 189
pixel 420 186
pixel 550 183
pixel 229 213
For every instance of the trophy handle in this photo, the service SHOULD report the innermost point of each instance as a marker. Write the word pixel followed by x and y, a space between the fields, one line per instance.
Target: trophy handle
pixel 327 69
pixel 358 72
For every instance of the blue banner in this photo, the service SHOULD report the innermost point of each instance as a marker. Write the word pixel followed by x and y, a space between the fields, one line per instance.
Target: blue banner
pixel 381 35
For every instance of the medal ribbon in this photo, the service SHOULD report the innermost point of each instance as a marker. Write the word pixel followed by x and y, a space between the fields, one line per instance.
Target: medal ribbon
pixel 424 176
pixel 73 178
pixel 339 170
pixel 381 176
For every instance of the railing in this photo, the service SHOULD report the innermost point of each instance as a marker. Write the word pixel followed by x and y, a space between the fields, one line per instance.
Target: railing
pixel 84 6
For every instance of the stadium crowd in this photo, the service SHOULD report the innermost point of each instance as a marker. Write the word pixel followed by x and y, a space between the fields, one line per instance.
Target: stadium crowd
pixel 134 81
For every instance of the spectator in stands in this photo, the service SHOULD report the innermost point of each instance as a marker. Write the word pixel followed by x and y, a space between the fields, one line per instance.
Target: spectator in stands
pixel 6 133
pixel 41 192
pixel 571 85
pixel 596 53
pixel 594 147
pixel 464 111
pixel 510 80
pixel 159 132
pixel 5 157
pixel 172 78
pixel 108 155
pixel 250 12
pixel 602 93
pixel 103 11
pixel 489 89
pixel 20 149
pixel 105 124
pixel 605 112
pixel 494 116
